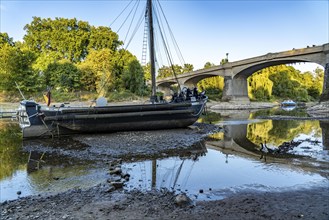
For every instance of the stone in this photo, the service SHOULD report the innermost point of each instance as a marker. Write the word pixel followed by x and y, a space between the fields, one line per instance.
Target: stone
pixel 182 200
pixel 116 170
pixel 117 185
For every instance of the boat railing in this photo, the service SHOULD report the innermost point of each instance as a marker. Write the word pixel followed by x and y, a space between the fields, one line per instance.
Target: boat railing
pixel 7 114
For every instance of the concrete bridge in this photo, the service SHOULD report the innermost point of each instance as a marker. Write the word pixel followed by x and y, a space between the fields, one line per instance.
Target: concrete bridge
pixel 236 73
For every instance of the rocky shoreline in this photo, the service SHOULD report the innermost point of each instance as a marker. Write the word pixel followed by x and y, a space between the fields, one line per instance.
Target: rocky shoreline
pixel 241 106
pixel 319 110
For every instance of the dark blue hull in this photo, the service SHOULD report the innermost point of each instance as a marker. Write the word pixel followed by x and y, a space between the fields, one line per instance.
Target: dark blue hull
pixel 37 121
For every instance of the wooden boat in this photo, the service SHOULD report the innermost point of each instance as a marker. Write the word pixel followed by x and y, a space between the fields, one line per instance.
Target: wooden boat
pixel 183 110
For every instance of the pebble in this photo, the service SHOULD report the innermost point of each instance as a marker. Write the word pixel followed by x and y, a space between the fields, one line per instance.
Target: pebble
pixel 117 185
pixel 116 170
pixel 182 200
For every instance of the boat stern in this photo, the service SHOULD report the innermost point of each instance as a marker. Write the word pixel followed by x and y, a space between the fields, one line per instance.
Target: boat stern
pixel 30 119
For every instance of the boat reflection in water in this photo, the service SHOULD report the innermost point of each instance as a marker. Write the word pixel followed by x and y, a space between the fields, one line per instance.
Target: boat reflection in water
pixel 288 108
pixel 51 172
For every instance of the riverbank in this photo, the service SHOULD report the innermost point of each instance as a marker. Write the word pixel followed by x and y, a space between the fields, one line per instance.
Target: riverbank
pixel 241 106
pixel 319 110
pixel 100 202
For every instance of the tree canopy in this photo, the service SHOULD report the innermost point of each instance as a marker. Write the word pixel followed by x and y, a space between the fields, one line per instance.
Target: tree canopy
pixel 71 55
pixel 68 55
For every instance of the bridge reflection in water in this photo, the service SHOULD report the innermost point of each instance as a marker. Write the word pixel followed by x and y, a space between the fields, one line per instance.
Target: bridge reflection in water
pixel 307 141
pixel 325 134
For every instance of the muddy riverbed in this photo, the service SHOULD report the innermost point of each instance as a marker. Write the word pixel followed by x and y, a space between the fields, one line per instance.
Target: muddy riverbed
pixel 107 200
pixel 120 153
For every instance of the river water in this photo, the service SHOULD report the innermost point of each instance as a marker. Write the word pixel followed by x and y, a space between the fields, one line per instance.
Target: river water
pixel 227 162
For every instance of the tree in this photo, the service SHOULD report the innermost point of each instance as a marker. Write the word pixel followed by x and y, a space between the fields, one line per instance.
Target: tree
pixel 285 87
pixel 70 38
pixel 16 66
pixel 147 71
pixel 133 78
pixel 100 64
pixel 208 65
pixel 45 59
pixel 260 94
pixel 187 68
pixel 5 39
pixel 88 77
pixel 63 76
pixel 165 71
pixel 103 37
pixel 212 85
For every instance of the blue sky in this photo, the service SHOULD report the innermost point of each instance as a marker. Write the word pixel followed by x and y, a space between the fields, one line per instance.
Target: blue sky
pixel 204 30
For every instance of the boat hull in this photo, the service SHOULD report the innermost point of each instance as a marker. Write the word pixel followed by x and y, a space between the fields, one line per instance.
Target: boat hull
pixel 65 120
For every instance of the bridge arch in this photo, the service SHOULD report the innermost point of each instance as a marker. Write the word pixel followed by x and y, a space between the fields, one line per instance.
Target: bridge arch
pixel 194 80
pixel 245 72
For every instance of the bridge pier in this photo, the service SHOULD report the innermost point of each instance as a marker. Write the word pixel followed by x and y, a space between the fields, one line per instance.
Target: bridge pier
pixel 325 92
pixel 235 90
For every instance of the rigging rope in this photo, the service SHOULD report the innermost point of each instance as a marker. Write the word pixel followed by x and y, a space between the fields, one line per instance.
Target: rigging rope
pixel 139 22
pixel 121 13
pixel 168 53
pixel 134 32
pixel 178 51
pixel 132 19
pixel 127 16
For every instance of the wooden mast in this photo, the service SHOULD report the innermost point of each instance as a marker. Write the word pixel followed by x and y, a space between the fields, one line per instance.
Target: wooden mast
pixel 152 57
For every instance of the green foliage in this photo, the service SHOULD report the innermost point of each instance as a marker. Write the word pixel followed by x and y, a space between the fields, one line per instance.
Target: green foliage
pixel 88 77
pixel 261 94
pixel 212 85
pixel 124 95
pixel 285 82
pixel 147 71
pixel 70 38
pixel 63 76
pixel 210 117
pixel 103 37
pixel 10 149
pixel 284 86
pixel 99 63
pixel 208 65
pixel 45 59
pixel 133 78
pixel 168 71
pixel 6 40
pixel 16 66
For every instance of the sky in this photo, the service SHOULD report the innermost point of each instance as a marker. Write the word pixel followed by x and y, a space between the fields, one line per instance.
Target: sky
pixel 204 30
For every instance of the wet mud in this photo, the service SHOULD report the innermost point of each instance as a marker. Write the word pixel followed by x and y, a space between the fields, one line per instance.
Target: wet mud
pixel 125 145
